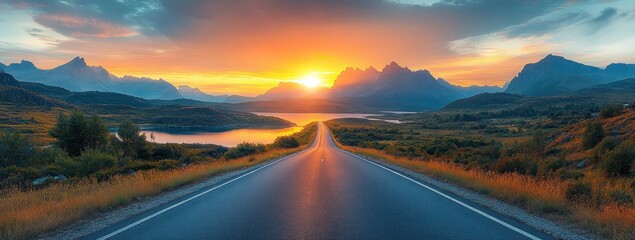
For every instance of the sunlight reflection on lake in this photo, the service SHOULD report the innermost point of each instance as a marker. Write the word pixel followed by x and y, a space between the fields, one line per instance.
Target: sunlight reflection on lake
pixel 234 137
pixel 302 119
pixel 228 138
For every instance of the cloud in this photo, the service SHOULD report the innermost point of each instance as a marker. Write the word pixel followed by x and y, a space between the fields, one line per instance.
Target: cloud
pixel 79 27
pixel 299 36
pixel 605 16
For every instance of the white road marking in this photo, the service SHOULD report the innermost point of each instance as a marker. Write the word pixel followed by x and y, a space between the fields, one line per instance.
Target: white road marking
pixel 501 222
pixel 196 196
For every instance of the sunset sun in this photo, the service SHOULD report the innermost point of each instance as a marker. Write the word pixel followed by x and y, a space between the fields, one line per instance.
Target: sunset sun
pixel 310 81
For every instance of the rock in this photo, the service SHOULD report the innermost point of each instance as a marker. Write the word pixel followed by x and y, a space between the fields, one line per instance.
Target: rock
pixel 581 164
pixel 49 179
pixel 41 181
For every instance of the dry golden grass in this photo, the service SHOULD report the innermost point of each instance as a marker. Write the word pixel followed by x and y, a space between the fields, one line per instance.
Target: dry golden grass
pixel 27 214
pixel 543 196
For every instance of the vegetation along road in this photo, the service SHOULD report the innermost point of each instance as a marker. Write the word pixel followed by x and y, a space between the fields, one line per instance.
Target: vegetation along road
pixel 322 192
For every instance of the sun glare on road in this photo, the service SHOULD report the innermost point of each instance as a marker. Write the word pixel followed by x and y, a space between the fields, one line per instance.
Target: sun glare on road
pixel 310 81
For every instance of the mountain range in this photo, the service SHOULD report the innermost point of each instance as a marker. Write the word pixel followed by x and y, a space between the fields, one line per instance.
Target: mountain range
pixel 392 88
pixel 555 75
pixel 77 76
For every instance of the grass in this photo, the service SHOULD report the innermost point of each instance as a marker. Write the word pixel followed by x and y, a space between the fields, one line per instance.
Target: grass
pixel 543 196
pixel 36 121
pixel 25 215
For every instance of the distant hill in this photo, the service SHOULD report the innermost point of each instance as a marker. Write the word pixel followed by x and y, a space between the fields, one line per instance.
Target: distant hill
pixel 485 100
pixel 622 91
pixel 77 76
pixel 196 94
pixel 20 96
pixel 8 80
pixel 554 75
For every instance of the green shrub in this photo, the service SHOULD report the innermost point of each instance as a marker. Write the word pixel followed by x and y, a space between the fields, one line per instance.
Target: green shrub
pixel 286 142
pixel 88 163
pixel 214 151
pixel 168 151
pixel 579 192
pixel 611 110
pixel 76 133
pixel 50 155
pixel 607 144
pixel 244 149
pixel 593 134
pixel 16 176
pixel 16 150
pixel 618 162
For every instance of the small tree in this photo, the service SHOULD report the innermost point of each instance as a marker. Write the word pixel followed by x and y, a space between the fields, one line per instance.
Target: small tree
pixel 619 160
pixel 593 134
pixel 133 143
pixel 15 150
pixel 76 133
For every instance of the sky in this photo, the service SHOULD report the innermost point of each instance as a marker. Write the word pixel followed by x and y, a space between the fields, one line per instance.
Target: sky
pixel 248 46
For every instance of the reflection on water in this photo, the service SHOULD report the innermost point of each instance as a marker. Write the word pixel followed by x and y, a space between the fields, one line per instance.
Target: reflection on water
pixel 228 138
pixel 302 119
pixel 234 137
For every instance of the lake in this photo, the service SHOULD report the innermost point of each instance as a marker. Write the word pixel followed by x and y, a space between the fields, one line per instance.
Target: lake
pixel 234 137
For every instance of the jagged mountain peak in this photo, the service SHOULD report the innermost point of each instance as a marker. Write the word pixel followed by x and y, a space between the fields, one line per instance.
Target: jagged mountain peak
pixel 394 66
pixel 77 62
pixel 23 65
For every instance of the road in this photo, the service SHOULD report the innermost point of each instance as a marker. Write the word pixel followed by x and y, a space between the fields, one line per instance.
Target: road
pixel 320 193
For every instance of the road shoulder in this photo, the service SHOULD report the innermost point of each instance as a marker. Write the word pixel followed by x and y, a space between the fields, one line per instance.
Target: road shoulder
pixel 558 230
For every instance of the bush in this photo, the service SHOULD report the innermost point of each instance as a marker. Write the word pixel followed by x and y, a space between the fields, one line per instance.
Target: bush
pixel 16 150
pixel 579 192
pixel 593 134
pixel 621 197
pixel 133 143
pixel 167 164
pixel 244 149
pixel 214 151
pixel 286 142
pixel 76 132
pixel 168 151
pixel 618 162
pixel 16 176
pixel 611 110
pixel 518 163
pixel 607 144
pixel 89 162
pixel 50 155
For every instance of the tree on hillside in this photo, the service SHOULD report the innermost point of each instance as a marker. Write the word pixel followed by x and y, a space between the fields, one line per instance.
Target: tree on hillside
pixel 593 134
pixel 76 132
pixel 133 143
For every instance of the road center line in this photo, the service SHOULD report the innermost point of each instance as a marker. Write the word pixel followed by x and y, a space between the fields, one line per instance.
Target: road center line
pixel 501 222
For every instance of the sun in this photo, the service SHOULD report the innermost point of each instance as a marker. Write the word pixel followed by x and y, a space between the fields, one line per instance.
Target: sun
pixel 310 81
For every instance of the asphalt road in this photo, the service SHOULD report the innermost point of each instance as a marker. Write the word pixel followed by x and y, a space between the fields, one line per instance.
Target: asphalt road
pixel 320 193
